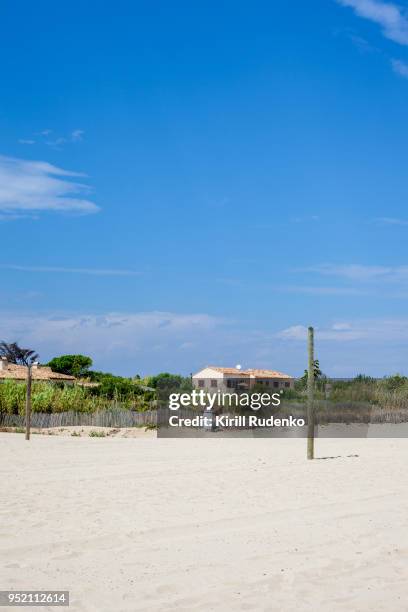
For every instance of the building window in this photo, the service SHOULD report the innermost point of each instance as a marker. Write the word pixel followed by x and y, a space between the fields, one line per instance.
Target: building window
pixel 287 384
pixel 276 384
pixel 267 383
pixel 213 383
pixel 201 383
pixel 237 383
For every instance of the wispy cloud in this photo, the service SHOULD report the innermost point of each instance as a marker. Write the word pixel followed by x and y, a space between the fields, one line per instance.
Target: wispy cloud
pixel 361 43
pixel 64 270
pixel 391 220
pixel 37 186
pixel 16 216
pixel 389 16
pixel 47 137
pixel 384 330
pixel 340 332
pixel 304 219
pixel 400 68
pixel 74 137
pixel 125 343
pixel 77 135
pixel 357 272
pixel 322 290
pixel 56 143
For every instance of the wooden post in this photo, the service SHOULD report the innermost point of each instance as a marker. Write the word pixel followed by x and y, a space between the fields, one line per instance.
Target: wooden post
pixel 310 393
pixel 28 403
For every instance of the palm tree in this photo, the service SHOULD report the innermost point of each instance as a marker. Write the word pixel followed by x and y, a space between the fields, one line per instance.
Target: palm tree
pixel 15 354
pixel 21 356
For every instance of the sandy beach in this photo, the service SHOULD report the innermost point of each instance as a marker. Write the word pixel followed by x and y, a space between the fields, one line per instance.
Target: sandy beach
pixel 151 525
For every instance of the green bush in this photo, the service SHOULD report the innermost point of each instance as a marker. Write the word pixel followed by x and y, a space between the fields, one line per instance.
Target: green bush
pixel 12 397
pixel 47 398
pixel 393 383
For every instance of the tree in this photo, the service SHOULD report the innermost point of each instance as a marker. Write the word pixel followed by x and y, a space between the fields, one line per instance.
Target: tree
pixel 15 354
pixel 21 356
pixel 362 378
pixel 73 365
pixel 164 380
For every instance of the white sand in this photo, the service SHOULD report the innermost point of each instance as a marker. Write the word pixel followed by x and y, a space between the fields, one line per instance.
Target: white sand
pixel 151 525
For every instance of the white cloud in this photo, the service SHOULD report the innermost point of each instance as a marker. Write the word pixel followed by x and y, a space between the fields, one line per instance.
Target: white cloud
pixel 389 16
pixel 34 186
pixel 391 220
pixel 15 217
pixel 77 135
pixel 357 272
pixel 150 342
pixel 51 139
pixel 341 326
pixel 63 270
pixel 305 219
pixel 295 332
pixel 361 43
pixel 56 144
pixel 384 331
pixel 121 342
pixel 323 290
pixel 400 68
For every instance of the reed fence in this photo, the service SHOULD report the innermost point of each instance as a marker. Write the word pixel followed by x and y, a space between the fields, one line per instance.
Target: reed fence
pixel 326 412
pixel 102 418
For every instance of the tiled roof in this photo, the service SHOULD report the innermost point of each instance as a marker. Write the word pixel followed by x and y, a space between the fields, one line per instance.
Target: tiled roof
pixel 229 371
pixel 267 374
pixel 251 372
pixel 19 372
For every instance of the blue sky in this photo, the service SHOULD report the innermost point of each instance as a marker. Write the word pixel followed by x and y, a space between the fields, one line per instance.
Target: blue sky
pixel 192 183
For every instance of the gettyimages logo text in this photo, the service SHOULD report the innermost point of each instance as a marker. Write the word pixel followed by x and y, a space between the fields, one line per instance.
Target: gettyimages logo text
pixel 218 399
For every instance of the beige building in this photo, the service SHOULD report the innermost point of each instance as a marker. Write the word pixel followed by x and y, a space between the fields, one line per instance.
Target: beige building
pixel 11 371
pixel 214 377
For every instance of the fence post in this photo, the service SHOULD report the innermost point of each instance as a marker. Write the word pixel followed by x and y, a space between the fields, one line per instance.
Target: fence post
pixel 310 395
pixel 28 404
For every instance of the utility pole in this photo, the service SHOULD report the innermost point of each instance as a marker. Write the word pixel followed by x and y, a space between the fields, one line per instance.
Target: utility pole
pixel 310 395
pixel 28 403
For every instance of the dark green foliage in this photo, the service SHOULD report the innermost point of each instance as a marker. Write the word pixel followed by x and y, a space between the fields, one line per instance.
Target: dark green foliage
pixel 113 387
pixel 72 365
pixel 362 378
pixel 164 380
pixel 318 374
pixel 393 383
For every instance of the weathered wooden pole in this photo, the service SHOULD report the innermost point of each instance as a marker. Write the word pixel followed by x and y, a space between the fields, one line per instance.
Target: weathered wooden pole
pixel 310 394
pixel 28 403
